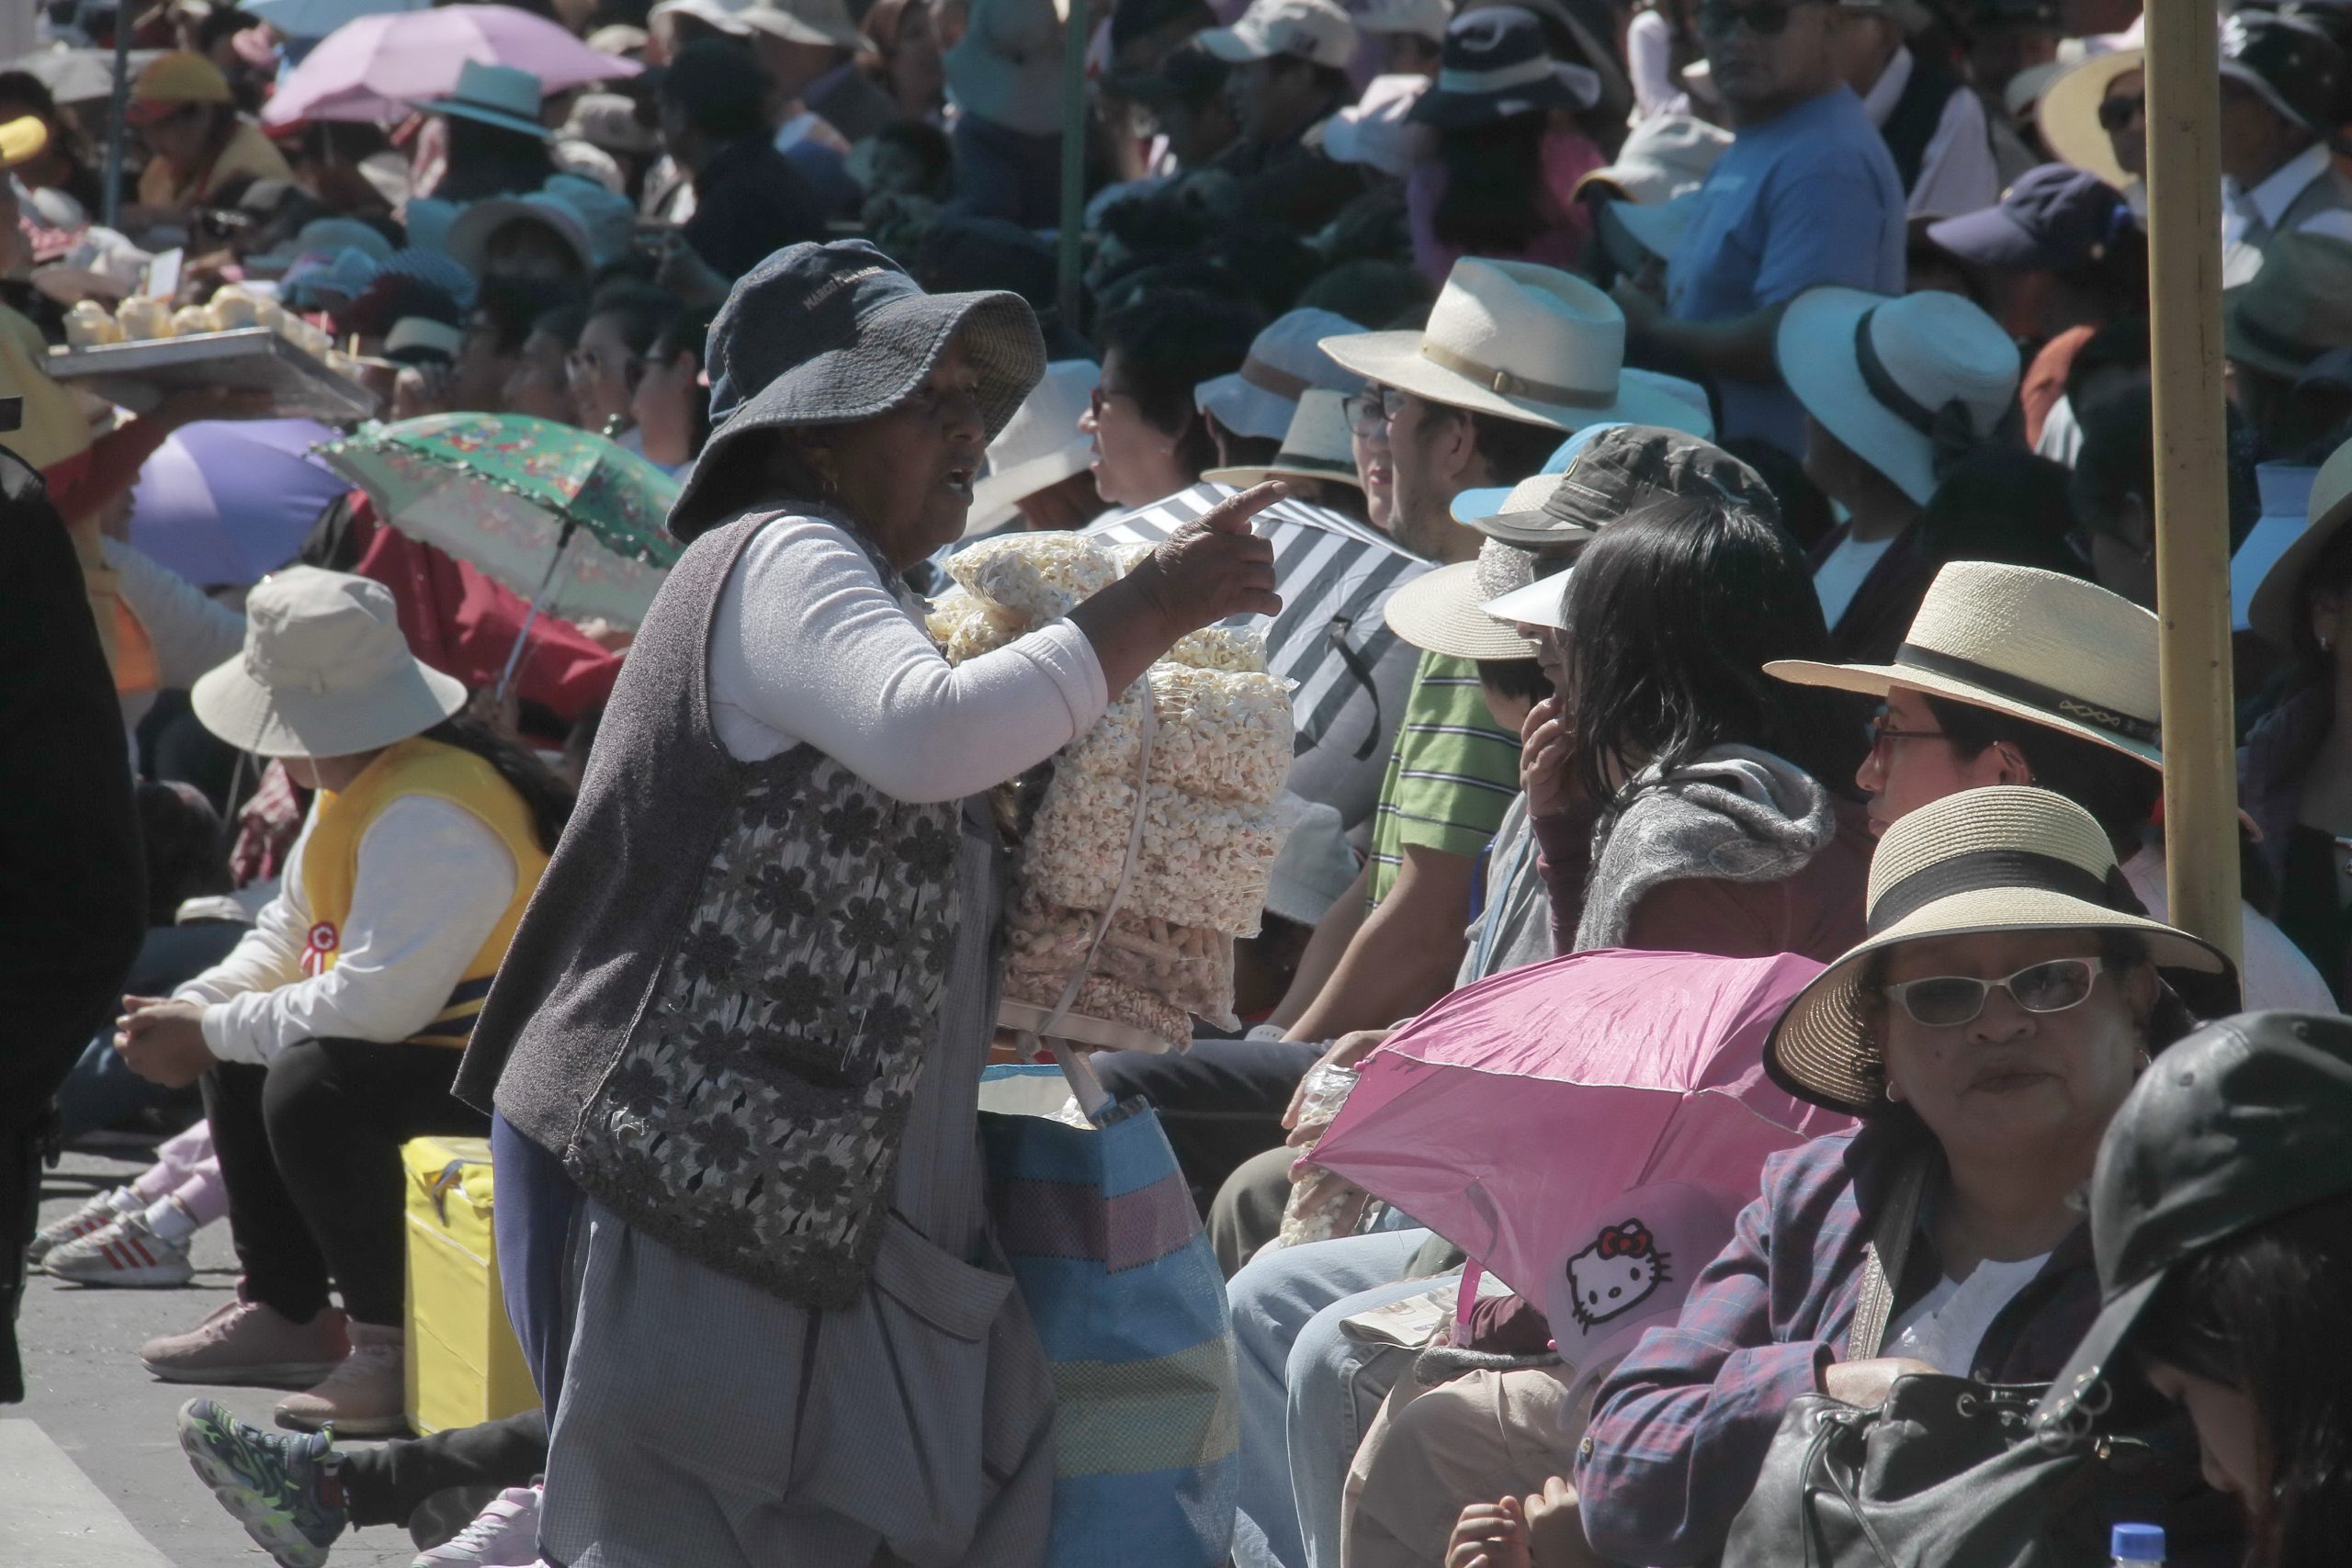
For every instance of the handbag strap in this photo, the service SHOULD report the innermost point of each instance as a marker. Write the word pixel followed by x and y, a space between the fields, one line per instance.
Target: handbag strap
pixel 1884 1258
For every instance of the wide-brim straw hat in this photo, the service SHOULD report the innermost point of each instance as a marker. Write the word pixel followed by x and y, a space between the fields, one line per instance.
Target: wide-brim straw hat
pixel 1040 446
pixel 1985 861
pixel 2068 114
pixel 2051 650
pixel 1442 611
pixel 2271 611
pixel 1316 446
pixel 830 333
pixel 325 673
pixel 1521 341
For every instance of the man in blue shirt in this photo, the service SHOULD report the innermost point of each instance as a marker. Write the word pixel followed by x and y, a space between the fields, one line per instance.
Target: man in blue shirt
pixel 1807 194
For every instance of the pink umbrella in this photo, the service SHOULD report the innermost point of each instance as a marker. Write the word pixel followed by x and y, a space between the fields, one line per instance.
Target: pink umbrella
pixel 1514 1116
pixel 376 67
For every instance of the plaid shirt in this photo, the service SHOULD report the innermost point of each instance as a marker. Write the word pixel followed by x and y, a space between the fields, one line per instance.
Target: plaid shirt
pixel 1679 1430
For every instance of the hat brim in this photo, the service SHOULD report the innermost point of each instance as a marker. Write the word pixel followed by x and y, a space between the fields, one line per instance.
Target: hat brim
pixel 2271 610
pixel 2068 114
pixel 251 717
pixel 1569 87
pixel 469 241
pixel 780 24
pixel 2240 348
pixel 1543 602
pixel 901 341
pixel 1815 348
pixel 714 16
pixel 1245 410
pixel 1990 238
pixel 1394 359
pixel 1877 680
pixel 1292 467
pixel 1818 1049
pixel 1235 47
pixel 486 115
pixel 2094 1354
pixel 996 497
pixel 1438 612
pixel 1656 227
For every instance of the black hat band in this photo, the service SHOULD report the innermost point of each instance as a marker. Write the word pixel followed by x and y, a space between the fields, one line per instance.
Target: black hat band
pixel 1978 871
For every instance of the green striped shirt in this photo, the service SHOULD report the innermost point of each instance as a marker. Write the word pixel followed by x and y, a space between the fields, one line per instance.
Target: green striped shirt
pixel 1451 775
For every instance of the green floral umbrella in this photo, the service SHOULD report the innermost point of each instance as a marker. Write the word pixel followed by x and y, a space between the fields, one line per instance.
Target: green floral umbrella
pixel 570 520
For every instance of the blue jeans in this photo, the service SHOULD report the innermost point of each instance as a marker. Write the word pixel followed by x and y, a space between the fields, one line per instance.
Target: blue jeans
pixel 536 1204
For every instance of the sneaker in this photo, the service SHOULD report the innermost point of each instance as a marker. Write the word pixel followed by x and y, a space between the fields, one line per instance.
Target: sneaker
pixel 246 1343
pixel 287 1491
pixel 96 1214
pixel 505 1535
pixel 366 1396
pixel 127 1252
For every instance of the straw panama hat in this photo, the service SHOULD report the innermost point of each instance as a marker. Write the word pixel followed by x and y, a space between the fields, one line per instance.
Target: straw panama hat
pixel 1439 611
pixel 1040 445
pixel 1665 156
pixel 1316 446
pixel 2068 114
pixel 2051 649
pixel 1878 372
pixel 2271 611
pixel 1285 360
pixel 1523 342
pixel 325 673
pixel 2003 859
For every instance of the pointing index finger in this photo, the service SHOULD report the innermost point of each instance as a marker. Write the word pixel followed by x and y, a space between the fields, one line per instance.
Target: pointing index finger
pixel 1233 514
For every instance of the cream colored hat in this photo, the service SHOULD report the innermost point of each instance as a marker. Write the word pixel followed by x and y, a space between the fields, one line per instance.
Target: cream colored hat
pixel 1525 341
pixel 1316 30
pixel 2005 859
pixel 2048 649
pixel 2271 611
pixel 1316 446
pixel 325 673
pixel 1285 360
pixel 1039 447
pixel 1441 611
pixel 2068 114
pixel 1665 156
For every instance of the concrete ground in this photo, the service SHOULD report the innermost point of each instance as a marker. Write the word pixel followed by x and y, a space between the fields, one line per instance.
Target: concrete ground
pixel 91 1475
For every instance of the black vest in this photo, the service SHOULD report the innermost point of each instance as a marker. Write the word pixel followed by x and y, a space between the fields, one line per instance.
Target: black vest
pixel 1916 113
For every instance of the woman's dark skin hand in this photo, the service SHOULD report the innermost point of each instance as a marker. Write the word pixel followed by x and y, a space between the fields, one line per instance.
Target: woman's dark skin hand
pixel 1203 573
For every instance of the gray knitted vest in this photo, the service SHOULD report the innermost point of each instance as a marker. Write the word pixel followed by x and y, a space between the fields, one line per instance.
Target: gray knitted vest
pixel 716 1009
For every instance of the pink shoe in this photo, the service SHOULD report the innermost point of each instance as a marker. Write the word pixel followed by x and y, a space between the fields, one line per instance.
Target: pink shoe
pixel 246 1343
pixel 366 1396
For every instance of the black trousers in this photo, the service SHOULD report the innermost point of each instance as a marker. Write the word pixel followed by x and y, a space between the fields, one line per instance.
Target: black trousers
pixel 310 1148
pixel 383 1484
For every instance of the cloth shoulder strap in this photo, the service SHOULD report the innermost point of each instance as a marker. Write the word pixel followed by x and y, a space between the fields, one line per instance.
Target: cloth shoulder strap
pixel 1885 1257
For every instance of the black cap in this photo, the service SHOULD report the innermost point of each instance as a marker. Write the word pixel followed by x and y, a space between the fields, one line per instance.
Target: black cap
pixel 2239 1123
pixel 1619 469
pixel 2293 64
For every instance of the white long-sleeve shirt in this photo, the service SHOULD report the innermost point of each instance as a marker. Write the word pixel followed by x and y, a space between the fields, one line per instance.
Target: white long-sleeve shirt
pixel 433 882
pixel 809 646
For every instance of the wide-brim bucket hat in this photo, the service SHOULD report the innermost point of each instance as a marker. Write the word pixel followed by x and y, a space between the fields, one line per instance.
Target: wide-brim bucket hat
pixel 2271 611
pixel 1494 65
pixel 830 333
pixel 325 673
pixel 2068 114
pixel 1984 860
pixel 1441 610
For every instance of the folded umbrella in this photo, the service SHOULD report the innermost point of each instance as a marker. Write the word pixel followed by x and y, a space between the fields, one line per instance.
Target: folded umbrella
pixel 1514 1116
pixel 223 503
pixel 378 67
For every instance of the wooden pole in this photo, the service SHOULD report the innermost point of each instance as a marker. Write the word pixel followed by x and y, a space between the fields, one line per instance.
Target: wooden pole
pixel 2192 470
pixel 118 117
pixel 1074 129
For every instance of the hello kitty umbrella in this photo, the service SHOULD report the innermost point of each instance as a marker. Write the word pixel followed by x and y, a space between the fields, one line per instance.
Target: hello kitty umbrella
pixel 1512 1117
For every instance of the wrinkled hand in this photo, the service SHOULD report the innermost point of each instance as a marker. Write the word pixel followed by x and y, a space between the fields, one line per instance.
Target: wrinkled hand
pixel 1214 567
pixel 1490 1534
pixel 163 1041
pixel 1642 308
pixel 1543 760
pixel 1345 1052
pixel 1867 1384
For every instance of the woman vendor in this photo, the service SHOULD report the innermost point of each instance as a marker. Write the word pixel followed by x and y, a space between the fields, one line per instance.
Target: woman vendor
pixel 736 1044
pixel 186 113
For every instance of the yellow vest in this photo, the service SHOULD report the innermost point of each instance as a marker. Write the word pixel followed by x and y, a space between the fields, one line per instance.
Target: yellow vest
pixel 331 860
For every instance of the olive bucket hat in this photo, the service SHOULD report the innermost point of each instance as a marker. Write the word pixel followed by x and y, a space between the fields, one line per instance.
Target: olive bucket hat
pixel 831 334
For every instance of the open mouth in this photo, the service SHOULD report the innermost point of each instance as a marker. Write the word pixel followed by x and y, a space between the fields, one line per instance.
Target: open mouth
pixel 959 479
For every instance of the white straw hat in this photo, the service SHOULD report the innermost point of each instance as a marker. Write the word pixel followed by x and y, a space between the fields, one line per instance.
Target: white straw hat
pixel 1879 373
pixel 1525 341
pixel 1285 359
pixel 1040 445
pixel 1441 611
pixel 2048 649
pixel 2271 611
pixel 2068 114
pixel 2004 859
pixel 325 673
pixel 1423 19
pixel 1314 30
pixel 1665 156
pixel 1316 446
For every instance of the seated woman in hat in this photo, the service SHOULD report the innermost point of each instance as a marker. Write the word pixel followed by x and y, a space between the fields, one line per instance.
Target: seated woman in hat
pixel 1985 1034
pixel 329 1035
pixel 740 1033
pixel 184 112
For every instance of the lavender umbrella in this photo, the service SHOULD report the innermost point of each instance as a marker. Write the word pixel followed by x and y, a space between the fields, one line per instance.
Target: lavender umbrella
pixel 377 67
pixel 224 503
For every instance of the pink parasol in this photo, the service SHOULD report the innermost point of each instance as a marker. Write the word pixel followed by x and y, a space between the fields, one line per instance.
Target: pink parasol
pixel 1512 1117
pixel 377 68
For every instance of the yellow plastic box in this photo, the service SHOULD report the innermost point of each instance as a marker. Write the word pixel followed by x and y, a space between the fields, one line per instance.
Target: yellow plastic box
pixel 464 1366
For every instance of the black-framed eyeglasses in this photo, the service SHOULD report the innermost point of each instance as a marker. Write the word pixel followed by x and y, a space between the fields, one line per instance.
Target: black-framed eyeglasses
pixel 1370 411
pixel 1765 19
pixel 1947 1001
pixel 1884 734
pixel 2118 112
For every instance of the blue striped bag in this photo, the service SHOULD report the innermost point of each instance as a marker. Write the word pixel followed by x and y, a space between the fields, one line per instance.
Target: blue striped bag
pixel 1098 1225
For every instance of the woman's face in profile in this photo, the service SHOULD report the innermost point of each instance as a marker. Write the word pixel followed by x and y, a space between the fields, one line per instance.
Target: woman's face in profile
pixel 2228 1432
pixel 905 476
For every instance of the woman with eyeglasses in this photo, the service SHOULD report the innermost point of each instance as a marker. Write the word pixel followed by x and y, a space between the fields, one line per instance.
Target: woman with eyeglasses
pixel 1367 414
pixel 1983 1035
pixel 606 366
pixel 1149 440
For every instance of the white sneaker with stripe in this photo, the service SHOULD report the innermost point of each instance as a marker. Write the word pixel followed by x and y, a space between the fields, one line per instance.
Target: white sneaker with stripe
pixel 126 1253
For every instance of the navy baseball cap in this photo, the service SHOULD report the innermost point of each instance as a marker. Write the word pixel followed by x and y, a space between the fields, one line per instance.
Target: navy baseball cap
pixel 2054 219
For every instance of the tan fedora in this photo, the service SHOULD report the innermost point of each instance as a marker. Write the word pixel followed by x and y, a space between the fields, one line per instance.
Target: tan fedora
pixel 2068 114
pixel 2004 859
pixel 325 673
pixel 1316 446
pixel 2271 611
pixel 2295 308
pixel 1524 342
pixel 2045 647
pixel 1441 611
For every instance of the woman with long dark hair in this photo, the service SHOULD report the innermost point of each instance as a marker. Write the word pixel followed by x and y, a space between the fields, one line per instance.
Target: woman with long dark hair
pixel 1679 793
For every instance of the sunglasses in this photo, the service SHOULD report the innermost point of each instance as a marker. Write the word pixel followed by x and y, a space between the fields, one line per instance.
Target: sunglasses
pixel 1767 18
pixel 2118 112
pixel 1946 1001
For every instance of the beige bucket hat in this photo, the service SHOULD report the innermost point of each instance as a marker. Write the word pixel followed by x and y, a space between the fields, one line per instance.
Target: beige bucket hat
pixel 1524 342
pixel 2271 611
pixel 1444 611
pixel 2068 114
pixel 2051 650
pixel 2004 859
pixel 1316 446
pixel 325 673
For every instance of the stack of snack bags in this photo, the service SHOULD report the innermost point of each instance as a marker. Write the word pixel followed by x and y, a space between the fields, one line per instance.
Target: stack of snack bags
pixel 1221 742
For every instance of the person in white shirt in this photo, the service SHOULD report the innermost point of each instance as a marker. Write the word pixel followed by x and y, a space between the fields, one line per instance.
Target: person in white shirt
pixel 2280 76
pixel 1933 122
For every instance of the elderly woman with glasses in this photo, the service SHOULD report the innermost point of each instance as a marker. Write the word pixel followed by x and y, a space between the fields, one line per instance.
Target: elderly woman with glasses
pixel 1985 1035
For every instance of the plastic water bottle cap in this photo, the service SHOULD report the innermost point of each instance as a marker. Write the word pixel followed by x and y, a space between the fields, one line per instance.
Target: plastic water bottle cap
pixel 2137 1543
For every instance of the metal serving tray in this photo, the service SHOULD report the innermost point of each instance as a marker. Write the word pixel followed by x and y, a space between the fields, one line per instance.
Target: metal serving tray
pixel 137 376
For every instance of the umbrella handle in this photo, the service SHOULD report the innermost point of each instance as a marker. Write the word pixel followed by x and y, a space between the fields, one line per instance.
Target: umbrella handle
pixel 531 618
